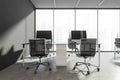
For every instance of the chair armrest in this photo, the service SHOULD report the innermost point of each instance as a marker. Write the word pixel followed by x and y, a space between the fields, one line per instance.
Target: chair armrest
pixel 99 45
pixel 25 44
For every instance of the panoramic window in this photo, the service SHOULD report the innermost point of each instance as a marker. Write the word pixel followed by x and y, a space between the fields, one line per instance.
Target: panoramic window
pixel 44 19
pixel 64 22
pixel 108 28
pixel 87 20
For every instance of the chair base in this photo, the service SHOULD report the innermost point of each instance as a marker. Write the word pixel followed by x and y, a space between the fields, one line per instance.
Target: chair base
pixel 40 63
pixel 87 66
pixel 44 64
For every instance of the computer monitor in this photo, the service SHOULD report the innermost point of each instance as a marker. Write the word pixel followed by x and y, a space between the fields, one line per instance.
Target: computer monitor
pixel 44 34
pixel 76 35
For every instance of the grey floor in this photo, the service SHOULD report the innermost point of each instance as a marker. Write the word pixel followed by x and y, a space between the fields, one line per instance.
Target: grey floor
pixel 109 70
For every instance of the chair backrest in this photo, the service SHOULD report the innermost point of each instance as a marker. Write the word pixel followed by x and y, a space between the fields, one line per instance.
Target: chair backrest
pixel 76 35
pixel 44 34
pixel 47 34
pixel 88 47
pixel 84 34
pixel 117 42
pixel 37 47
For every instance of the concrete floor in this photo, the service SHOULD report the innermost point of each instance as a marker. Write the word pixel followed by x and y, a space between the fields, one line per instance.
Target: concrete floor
pixel 109 70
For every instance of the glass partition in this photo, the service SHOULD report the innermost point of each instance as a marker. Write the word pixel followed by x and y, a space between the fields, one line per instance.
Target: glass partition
pixel 108 28
pixel 64 23
pixel 86 19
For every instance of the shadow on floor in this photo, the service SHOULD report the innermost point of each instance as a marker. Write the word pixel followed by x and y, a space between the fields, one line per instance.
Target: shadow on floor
pixel 9 58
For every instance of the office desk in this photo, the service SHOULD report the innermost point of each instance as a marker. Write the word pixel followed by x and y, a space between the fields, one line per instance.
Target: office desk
pixel 61 55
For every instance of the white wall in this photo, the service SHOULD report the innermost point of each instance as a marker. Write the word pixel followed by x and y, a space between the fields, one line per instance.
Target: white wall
pixel 20 33
pixel 16 27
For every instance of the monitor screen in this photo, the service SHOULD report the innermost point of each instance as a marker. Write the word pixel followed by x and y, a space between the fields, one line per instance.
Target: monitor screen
pixel 75 34
pixel 44 34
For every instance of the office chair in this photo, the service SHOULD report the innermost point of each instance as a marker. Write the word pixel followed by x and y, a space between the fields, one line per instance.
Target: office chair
pixel 117 46
pixel 87 50
pixel 74 36
pixel 72 45
pixel 38 49
pixel 117 42
pixel 46 34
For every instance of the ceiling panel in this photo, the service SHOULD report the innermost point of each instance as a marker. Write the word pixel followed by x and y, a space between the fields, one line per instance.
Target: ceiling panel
pixel 65 3
pixel 43 3
pixel 110 4
pixel 89 3
pixel 72 3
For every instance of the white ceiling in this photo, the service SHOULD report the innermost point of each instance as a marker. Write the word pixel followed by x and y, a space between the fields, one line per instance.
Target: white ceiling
pixel 76 3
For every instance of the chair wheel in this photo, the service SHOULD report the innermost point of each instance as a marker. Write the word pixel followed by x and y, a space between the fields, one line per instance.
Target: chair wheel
pixel 27 68
pixel 88 72
pixel 88 64
pixel 98 69
pixel 74 68
pixel 48 64
pixel 50 69
pixel 35 72
pixel 69 55
pixel 76 64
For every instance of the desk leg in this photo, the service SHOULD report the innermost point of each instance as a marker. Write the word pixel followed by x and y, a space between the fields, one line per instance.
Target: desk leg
pixel 114 52
pixel 99 56
pixel 23 57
